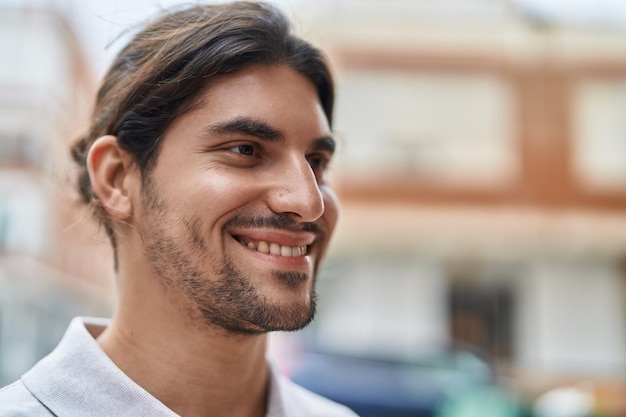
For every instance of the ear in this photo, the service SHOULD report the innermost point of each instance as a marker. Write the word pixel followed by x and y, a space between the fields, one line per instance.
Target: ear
pixel 111 171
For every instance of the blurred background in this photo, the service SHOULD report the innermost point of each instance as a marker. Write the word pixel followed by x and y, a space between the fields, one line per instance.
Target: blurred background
pixel 479 268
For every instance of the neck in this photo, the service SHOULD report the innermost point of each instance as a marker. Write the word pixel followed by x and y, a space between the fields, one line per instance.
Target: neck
pixel 194 369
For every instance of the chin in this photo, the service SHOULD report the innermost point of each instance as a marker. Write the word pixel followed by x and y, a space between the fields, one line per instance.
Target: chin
pixel 265 317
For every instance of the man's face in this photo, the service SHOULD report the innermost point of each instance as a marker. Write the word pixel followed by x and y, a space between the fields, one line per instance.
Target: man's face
pixel 236 214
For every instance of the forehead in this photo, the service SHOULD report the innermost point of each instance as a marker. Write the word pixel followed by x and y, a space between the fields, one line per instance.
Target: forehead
pixel 276 94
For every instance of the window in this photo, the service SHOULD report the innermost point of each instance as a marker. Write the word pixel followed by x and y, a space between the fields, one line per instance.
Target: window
pixel 599 133
pixel 454 128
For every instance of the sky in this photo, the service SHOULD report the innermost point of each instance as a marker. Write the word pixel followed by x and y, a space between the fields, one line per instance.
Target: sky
pixel 587 12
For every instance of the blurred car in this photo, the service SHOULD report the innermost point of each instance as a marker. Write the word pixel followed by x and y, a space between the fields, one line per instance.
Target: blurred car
pixel 378 387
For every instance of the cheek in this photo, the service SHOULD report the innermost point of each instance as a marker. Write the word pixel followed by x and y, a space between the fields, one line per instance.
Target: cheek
pixel 222 190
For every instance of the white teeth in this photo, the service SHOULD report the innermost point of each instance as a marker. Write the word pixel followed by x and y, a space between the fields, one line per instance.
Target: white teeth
pixel 278 250
pixel 274 248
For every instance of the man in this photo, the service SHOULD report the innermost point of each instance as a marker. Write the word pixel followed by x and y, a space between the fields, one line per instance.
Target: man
pixel 206 162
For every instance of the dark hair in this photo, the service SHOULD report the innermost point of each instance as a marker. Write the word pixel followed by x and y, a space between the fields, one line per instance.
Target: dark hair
pixel 159 75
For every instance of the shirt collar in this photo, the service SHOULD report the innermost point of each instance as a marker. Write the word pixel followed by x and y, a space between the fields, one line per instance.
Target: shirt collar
pixel 79 376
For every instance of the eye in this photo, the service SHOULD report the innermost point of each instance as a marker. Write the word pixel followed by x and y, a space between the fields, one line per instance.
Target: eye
pixel 247 150
pixel 319 162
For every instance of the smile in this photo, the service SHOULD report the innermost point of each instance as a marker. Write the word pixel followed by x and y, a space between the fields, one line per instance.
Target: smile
pixel 273 248
pixel 276 249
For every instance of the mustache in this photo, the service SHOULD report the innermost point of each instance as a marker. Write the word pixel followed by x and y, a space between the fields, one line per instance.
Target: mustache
pixel 275 221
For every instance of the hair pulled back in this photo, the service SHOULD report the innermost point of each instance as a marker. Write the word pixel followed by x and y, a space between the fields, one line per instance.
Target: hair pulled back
pixel 161 72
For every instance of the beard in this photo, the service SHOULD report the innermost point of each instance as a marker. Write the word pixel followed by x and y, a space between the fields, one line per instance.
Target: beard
pixel 222 294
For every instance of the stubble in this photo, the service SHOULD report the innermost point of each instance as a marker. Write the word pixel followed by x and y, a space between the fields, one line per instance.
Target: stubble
pixel 220 293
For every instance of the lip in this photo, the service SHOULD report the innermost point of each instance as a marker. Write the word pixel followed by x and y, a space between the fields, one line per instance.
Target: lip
pixel 282 238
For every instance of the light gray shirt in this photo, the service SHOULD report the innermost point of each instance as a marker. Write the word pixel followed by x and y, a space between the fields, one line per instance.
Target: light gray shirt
pixel 79 380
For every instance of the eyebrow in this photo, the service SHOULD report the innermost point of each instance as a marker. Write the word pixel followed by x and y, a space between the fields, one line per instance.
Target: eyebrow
pixel 246 126
pixel 325 143
pixel 251 127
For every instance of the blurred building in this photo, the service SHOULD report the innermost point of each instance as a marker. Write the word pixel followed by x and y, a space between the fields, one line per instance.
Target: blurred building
pixel 483 181
pixel 50 267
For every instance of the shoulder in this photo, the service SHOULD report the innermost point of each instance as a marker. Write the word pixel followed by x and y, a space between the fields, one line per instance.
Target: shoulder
pixel 17 401
pixel 301 402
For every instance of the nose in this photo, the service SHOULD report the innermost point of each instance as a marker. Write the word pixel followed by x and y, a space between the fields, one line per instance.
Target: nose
pixel 295 190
